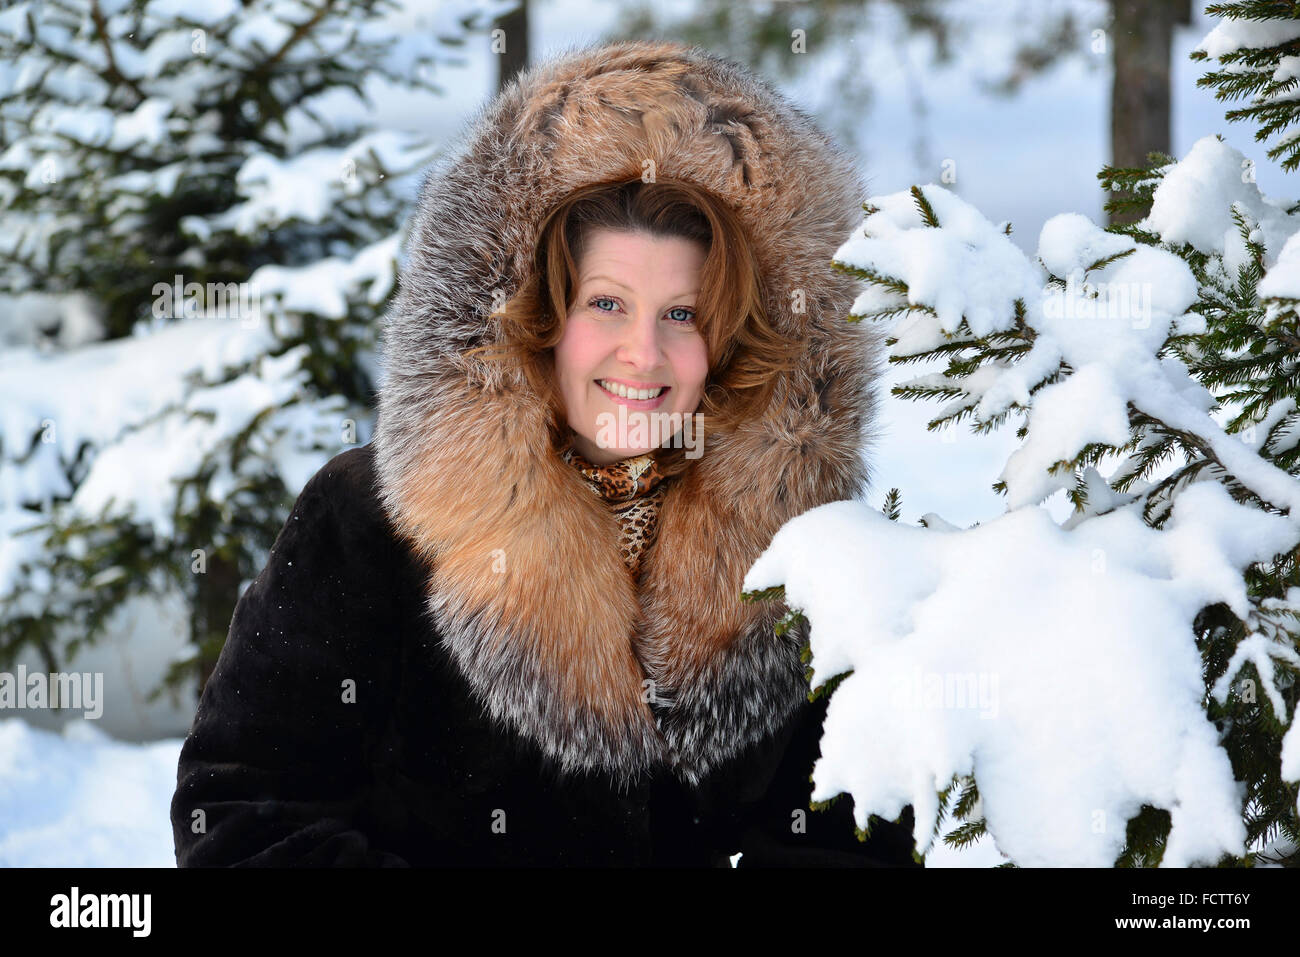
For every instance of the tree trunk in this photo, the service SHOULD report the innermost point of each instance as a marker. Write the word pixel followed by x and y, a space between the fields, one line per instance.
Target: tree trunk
pixel 514 57
pixel 214 606
pixel 1142 34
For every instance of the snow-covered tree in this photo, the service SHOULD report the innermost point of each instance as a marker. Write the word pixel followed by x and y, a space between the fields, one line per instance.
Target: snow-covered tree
pixel 1120 688
pixel 209 177
pixel 1259 57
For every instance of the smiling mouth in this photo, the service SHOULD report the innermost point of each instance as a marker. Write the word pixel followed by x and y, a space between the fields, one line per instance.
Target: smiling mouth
pixel 618 390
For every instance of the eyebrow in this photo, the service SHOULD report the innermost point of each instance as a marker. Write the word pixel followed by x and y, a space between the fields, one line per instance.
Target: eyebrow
pixel 615 282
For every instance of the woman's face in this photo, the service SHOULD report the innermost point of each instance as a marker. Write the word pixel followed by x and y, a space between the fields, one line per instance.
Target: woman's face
pixel 633 324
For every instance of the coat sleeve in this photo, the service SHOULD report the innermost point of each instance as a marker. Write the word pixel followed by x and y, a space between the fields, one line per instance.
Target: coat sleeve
pixel 275 765
pixel 769 836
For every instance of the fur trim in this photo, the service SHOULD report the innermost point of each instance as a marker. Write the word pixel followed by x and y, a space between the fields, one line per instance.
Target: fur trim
pixel 526 586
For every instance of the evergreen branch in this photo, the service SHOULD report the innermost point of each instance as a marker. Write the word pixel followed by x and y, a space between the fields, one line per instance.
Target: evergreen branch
pixel 923 206
pixel 114 74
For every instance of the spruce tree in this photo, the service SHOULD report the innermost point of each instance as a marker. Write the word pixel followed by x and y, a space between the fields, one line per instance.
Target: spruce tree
pixel 1238 340
pixel 211 177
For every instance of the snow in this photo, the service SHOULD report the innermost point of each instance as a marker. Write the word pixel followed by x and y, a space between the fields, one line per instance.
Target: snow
pixel 264 31
pixel 1073 698
pixel 1106 323
pixel 1283 281
pixel 1233 35
pixel 81 799
pixel 1291 755
pixel 1072 691
pixel 323 287
pixel 308 186
pixel 13 22
pixel 177 444
pixel 168 48
pixel 209 12
pixel 209 378
pixel 969 268
pixel 36 388
pixel 139 184
pixel 1072 242
pixel 1259 651
pixel 1194 201
pixel 1288 68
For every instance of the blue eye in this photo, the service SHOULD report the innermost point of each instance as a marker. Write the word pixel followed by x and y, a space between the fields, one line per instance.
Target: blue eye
pixel 685 320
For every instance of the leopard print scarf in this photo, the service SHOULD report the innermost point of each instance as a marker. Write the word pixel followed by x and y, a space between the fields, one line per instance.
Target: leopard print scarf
pixel 633 488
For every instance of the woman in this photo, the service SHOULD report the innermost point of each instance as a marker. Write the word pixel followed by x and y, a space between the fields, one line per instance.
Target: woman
pixel 457 653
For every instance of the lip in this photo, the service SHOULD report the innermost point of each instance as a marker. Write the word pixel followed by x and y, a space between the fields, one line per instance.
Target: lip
pixel 635 403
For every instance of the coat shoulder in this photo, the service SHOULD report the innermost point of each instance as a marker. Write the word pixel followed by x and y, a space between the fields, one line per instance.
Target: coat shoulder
pixel 346 494
pixel 349 479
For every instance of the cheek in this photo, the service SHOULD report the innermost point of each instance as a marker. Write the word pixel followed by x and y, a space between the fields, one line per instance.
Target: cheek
pixel 691 363
pixel 576 354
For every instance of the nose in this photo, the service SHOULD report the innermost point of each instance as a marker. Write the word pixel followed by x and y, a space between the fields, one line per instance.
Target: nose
pixel 640 347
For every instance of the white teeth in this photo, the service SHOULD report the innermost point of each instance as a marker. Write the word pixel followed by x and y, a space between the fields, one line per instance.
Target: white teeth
pixel 622 390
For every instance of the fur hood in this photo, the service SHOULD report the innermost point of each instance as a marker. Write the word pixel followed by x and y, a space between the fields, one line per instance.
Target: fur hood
pixel 526 585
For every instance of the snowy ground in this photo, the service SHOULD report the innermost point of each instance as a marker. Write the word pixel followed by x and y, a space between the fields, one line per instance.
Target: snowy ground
pixel 83 799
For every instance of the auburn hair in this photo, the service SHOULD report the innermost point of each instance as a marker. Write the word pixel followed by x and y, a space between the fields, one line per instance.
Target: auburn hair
pixel 746 354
